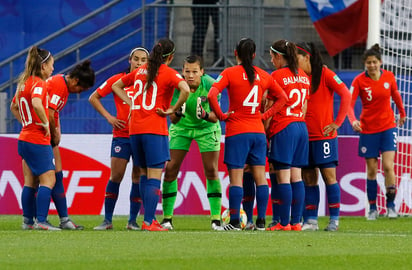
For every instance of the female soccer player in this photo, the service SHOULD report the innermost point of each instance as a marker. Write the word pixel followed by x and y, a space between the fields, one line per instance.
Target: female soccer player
pixel 200 124
pixel 245 141
pixel 121 148
pixel 80 79
pixel 30 107
pixel 153 86
pixel 323 141
pixel 288 149
pixel 377 126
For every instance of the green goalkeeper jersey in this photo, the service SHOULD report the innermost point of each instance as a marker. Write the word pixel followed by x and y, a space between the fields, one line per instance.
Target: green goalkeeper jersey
pixel 190 120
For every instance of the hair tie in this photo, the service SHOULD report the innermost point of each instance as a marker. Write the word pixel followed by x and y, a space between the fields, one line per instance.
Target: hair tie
pixel 167 54
pixel 303 50
pixel 276 51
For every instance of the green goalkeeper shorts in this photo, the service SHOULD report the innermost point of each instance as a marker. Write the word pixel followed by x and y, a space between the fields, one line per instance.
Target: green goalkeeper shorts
pixel 207 139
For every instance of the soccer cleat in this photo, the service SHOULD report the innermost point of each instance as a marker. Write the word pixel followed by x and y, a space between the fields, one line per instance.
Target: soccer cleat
pixel 310 225
pixel 230 227
pixel 200 112
pixel 155 226
pixel 372 215
pixel 167 223
pixel 46 226
pixel 279 227
pixel 333 226
pixel 70 225
pixel 106 225
pixel 133 226
pixel 392 212
pixel 296 227
pixel 260 224
pixel 272 224
pixel 216 225
pixel 250 227
pixel 27 226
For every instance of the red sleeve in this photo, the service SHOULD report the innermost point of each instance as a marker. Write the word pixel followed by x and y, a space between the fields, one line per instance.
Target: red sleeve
pixel 106 87
pixel 214 103
pixel 128 79
pixel 334 82
pixel 396 97
pixel 275 93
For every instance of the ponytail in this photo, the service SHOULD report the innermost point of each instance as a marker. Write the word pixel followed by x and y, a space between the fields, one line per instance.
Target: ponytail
pixel 164 48
pixel 245 49
pixel 288 51
pixel 316 62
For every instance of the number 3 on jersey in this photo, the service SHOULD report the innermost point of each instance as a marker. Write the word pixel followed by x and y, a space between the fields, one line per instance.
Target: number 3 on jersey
pixel 138 84
pixel 251 99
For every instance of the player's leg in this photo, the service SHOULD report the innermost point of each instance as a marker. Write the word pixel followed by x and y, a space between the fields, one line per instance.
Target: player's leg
pixel 28 197
pixel 388 158
pixel 312 198
pixel 249 193
pixel 208 141
pixel 135 200
pixel 298 198
pixel 170 187
pixel 262 195
pixel 59 196
pixel 274 196
pixel 333 194
pixel 153 154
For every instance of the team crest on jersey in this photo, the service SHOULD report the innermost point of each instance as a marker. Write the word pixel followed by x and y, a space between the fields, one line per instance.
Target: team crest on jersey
pixel 364 149
pixel 386 85
pixel 337 79
pixel 117 149
pixel 203 98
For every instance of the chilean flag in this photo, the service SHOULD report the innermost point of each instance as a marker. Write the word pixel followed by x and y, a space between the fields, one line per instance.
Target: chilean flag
pixel 340 23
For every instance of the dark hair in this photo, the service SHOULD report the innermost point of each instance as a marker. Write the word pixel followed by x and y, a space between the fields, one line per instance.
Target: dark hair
pixel 142 49
pixel 375 50
pixel 35 58
pixel 245 49
pixel 84 73
pixel 158 55
pixel 316 62
pixel 191 59
pixel 288 50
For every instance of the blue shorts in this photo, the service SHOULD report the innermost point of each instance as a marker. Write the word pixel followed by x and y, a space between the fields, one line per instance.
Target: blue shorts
pixel 121 148
pixel 39 157
pixel 245 148
pixel 290 147
pixel 371 145
pixel 150 150
pixel 323 153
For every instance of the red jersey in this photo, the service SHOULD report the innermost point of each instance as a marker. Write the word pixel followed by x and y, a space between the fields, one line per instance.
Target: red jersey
pixel 377 114
pixel 31 132
pixel 58 92
pixel 245 99
pixel 297 89
pixel 144 119
pixel 320 105
pixel 122 108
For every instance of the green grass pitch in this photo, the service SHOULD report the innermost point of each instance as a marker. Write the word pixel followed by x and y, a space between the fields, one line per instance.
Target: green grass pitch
pixel 359 244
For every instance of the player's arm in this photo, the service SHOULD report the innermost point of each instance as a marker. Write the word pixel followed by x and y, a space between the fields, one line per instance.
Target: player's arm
pixel 351 113
pixel 95 101
pixel 184 89
pixel 14 108
pixel 54 130
pixel 396 97
pixel 214 104
pixel 279 97
pixel 41 113
pixel 118 89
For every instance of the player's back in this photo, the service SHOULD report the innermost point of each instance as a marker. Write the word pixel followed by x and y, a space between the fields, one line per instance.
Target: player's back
pixel 33 132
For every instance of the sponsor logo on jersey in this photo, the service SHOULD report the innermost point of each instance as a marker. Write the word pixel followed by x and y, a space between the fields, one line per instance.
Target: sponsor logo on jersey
pixel 38 90
pixel 55 99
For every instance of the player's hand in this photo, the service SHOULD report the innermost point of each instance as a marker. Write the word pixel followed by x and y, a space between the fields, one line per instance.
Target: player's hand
pixel 356 126
pixel 330 129
pixel 163 113
pixel 117 123
pixel 227 115
pixel 46 128
pixel 56 136
pixel 402 121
